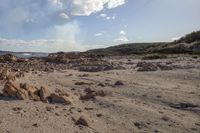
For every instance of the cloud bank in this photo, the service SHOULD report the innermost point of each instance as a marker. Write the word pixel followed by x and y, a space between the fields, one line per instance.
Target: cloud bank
pixel 47 20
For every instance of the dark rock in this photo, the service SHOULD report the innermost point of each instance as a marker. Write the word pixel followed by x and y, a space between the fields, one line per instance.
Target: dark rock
pixel 82 121
pixel 119 83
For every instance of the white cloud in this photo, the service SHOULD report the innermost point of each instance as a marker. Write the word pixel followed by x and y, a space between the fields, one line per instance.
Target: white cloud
pixel 56 2
pixel 115 3
pixel 122 37
pixel 122 32
pixel 64 15
pixel 87 7
pixel 103 15
pixel 98 34
pixel 108 18
pixel 175 38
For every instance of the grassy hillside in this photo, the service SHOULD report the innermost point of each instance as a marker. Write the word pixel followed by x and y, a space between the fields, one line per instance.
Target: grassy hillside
pixel 187 44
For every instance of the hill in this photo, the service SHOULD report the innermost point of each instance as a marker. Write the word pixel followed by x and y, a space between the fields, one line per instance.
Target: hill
pixel 190 43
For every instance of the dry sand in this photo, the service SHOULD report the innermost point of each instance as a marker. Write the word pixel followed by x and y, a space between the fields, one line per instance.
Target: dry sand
pixel 157 102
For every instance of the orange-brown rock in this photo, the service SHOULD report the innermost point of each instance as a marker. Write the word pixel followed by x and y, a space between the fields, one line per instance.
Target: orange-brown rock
pixel 44 93
pixel 28 87
pixel 10 89
pixel 22 94
pixel 55 98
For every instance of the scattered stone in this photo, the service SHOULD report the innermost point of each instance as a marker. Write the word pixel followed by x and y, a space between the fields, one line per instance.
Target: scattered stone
pixel 91 95
pixel 101 93
pixel 119 83
pixel 99 115
pixel 165 118
pixel 82 83
pixel 88 96
pixel 84 75
pixel 35 125
pixel 89 90
pixel 48 108
pixel 17 109
pixel 140 125
pixel 82 121
pixel 57 114
pixel 102 85
pixel 183 105
pixel 87 108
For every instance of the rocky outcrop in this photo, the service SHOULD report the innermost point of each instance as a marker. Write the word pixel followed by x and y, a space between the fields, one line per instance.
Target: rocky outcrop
pixel 25 91
pixel 146 66
pixel 8 58
pixel 10 89
pixel 152 66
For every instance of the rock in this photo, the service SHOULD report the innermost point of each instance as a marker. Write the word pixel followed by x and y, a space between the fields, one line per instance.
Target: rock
pixel 183 105
pixel 146 66
pixel 165 118
pixel 55 98
pixel 17 108
pixel 10 89
pixel 140 125
pixel 95 68
pixel 4 73
pixel 44 94
pixel 165 67
pixel 101 84
pixel 35 125
pixel 89 90
pixel 82 121
pixel 22 94
pixel 48 108
pixel 91 94
pixel 9 58
pixel 87 96
pixel 91 68
pixel 101 93
pixel 61 92
pixel 118 83
pixel 82 83
pixel 28 87
pixel 34 96
pixel 99 115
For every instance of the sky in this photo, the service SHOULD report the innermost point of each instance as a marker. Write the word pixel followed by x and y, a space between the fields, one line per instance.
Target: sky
pixel 79 25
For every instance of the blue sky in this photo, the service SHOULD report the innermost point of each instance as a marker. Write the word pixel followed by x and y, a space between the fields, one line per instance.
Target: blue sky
pixel 72 25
